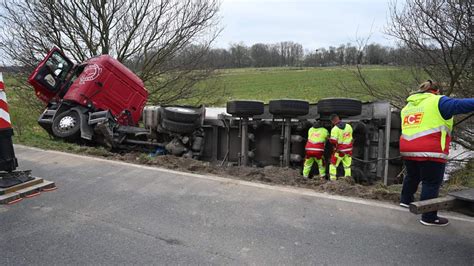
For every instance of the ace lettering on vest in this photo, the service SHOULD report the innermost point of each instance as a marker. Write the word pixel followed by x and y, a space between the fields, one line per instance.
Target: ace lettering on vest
pixel 346 135
pixel 413 120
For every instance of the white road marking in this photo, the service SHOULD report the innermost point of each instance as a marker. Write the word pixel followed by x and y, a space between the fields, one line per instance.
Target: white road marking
pixel 280 188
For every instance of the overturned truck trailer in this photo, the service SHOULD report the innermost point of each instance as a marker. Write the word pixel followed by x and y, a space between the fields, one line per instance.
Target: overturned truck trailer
pixel 101 101
pixel 278 135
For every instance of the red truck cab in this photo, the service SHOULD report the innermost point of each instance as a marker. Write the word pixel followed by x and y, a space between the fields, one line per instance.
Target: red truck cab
pixel 50 75
pixel 99 84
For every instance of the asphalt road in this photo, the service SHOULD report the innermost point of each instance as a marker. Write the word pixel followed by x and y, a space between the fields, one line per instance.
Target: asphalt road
pixel 116 213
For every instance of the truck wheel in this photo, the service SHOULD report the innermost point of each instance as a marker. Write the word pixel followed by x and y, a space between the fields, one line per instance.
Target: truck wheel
pixel 340 106
pixel 289 108
pixel 182 114
pixel 241 108
pixel 178 127
pixel 67 125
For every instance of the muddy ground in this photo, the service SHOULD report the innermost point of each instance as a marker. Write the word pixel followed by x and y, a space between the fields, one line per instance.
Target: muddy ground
pixel 267 175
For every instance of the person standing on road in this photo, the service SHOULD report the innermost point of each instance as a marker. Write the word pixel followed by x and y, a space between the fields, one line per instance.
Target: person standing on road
pixel 341 139
pixel 427 122
pixel 317 137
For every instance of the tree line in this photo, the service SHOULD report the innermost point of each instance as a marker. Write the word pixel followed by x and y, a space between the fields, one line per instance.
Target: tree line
pixel 292 54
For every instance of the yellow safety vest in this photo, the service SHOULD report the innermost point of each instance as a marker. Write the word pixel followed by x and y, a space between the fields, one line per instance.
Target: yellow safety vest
pixel 343 137
pixel 425 133
pixel 316 139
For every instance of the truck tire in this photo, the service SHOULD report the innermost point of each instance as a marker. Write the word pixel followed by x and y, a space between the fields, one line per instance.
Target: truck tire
pixel 182 114
pixel 67 125
pixel 340 106
pixel 245 108
pixel 178 127
pixel 288 108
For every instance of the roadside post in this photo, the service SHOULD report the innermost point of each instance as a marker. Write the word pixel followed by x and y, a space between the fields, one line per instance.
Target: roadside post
pixel 8 162
pixel 14 185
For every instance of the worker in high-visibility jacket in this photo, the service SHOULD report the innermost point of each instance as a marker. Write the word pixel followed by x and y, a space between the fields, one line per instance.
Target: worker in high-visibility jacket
pixel 427 122
pixel 317 137
pixel 341 139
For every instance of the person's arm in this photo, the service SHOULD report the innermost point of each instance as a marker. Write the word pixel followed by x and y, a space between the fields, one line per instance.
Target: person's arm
pixel 448 107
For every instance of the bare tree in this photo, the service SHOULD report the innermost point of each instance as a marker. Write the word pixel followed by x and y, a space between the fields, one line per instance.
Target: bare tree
pixel 376 54
pixel 147 35
pixel 350 54
pixel 260 54
pixel 436 38
pixel 240 55
pixel 439 33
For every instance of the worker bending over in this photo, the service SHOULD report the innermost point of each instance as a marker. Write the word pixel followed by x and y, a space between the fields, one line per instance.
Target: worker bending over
pixel 427 122
pixel 341 139
pixel 317 137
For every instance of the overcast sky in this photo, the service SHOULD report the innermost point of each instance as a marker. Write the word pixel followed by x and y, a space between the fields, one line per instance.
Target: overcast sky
pixel 313 23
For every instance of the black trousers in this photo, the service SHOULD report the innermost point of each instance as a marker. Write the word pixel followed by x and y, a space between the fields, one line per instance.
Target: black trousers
pixel 430 174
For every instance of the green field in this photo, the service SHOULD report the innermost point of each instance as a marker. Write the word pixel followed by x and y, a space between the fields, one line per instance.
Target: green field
pixel 309 84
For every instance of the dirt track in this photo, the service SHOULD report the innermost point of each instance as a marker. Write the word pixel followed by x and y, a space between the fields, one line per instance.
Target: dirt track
pixel 269 175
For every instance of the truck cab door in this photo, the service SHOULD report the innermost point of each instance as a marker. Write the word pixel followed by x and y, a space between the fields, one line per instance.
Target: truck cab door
pixel 51 74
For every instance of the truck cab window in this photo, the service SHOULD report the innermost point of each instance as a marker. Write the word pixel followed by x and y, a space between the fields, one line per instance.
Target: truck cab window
pixel 58 66
pixel 55 71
